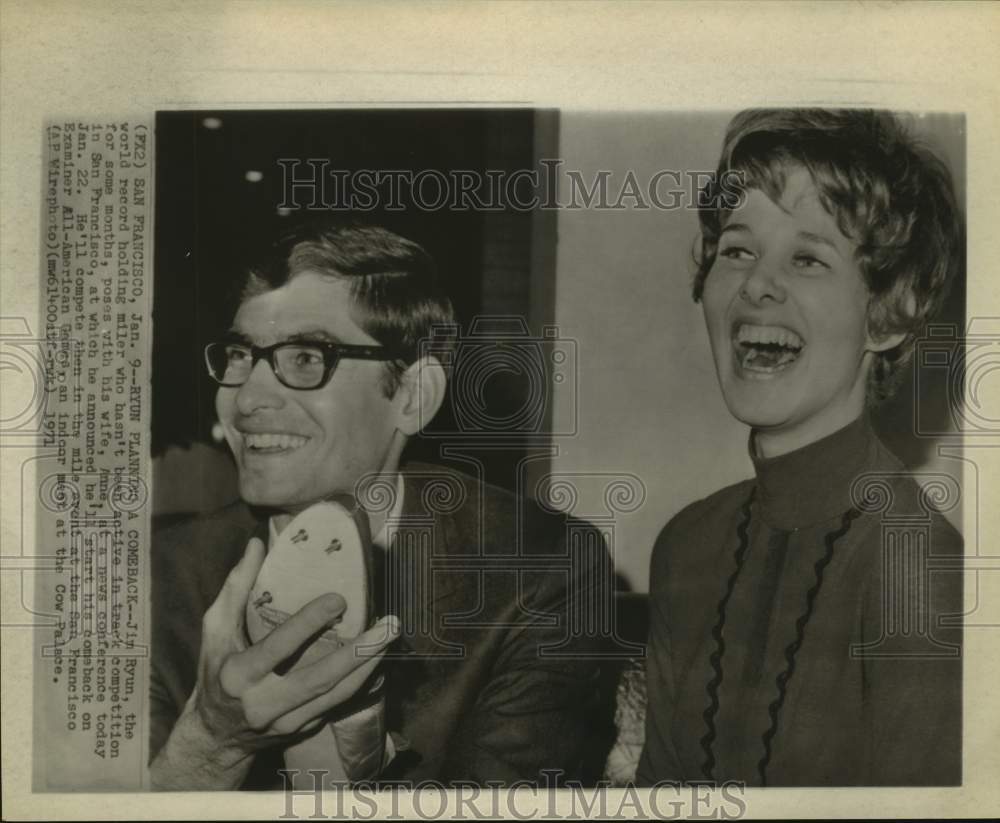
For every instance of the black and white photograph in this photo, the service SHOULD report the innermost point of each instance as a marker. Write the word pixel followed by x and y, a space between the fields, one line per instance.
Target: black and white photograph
pixel 499 263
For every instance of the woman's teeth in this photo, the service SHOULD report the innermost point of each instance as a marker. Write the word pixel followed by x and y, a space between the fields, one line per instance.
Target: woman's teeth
pixel 766 349
pixel 774 335
pixel 273 441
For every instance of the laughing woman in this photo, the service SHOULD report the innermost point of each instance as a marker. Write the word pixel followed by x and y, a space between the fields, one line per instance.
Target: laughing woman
pixel 797 637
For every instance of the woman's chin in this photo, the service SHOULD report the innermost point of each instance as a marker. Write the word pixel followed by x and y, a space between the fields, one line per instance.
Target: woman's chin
pixel 758 409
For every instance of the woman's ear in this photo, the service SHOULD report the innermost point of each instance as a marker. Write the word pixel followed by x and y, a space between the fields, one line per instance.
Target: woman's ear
pixel 885 341
pixel 420 394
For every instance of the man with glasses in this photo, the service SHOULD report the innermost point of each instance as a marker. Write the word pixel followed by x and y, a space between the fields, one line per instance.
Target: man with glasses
pixel 489 673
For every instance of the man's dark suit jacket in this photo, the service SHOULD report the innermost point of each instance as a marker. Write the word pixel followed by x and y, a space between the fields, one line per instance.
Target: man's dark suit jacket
pixel 503 609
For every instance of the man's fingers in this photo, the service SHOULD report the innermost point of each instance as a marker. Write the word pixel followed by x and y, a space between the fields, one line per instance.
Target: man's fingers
pixel 236 590
pixel 344 690
pixel 328 681
pixel 316 616
pixel 317 678
pixel 228 613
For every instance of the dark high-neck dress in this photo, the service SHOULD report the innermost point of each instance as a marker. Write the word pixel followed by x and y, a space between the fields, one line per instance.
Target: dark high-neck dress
pixel 805 628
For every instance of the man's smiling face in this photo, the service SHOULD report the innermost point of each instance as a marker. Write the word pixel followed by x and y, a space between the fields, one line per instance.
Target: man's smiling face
pixel 294 447
pixel 786 307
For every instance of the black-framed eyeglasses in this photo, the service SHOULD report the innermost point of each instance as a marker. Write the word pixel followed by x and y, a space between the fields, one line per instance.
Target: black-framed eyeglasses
pixel 297 365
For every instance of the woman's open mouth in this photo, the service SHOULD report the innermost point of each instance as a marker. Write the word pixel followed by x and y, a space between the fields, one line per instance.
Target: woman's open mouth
pixel 762 351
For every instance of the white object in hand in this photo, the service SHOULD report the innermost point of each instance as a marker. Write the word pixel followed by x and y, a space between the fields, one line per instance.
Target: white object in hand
pixel 325 548
pixel 321 550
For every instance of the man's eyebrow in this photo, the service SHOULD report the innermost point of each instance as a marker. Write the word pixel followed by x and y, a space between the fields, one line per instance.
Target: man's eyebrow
pixel 315 335
pixel 233 335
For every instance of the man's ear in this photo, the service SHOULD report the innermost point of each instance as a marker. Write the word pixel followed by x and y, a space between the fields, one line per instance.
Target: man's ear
pixel 420 394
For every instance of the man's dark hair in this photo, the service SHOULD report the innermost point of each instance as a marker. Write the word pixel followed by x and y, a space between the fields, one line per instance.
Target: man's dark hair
pixel 890 195
pixel 393 282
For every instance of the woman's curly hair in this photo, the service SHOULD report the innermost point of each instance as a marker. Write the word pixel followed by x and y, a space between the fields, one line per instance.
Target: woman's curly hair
pixel 890 195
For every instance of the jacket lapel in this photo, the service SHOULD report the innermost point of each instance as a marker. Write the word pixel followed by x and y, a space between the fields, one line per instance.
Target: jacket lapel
pixel 418 583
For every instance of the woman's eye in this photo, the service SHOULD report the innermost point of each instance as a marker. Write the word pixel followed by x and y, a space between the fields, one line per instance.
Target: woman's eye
pixel 736 253
pixel 809 261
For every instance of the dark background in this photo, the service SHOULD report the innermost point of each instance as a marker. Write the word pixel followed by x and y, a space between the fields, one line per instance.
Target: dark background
pixel 210 218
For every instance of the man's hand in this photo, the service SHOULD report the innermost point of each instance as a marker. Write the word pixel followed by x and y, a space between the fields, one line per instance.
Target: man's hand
pixel 239 705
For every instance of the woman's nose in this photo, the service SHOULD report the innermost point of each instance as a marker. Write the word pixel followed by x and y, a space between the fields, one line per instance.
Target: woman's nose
pixel 763 283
